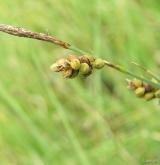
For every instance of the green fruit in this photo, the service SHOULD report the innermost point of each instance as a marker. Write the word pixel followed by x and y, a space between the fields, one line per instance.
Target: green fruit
pixel 137 83
pixel 84 69
pixel 98 63
pixel 149 96
pixel 140 91
pixel 157 93
pixel 75 64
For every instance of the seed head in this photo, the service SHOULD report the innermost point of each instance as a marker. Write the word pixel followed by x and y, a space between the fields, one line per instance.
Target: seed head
pixel 140 91
pixel 75 64
pixel 149 96
pixel 157 93
pixel 98 63
pixel 72 66
pixel 84 69
pixel 137 83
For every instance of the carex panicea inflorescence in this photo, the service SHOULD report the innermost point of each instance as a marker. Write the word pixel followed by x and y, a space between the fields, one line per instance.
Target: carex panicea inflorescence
pixel 73 65
pixel 143 90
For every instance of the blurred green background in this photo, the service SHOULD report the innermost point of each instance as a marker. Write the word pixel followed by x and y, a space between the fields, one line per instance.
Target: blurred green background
pixel 46 120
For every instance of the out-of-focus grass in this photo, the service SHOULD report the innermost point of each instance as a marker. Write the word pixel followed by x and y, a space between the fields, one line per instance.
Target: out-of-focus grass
pixel 45 119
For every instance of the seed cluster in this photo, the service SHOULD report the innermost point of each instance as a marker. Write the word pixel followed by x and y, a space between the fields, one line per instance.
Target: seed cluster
pixel 73 66
pixel 143 90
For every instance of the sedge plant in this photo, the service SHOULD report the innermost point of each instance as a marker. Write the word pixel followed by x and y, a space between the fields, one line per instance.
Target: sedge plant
pixel 82 63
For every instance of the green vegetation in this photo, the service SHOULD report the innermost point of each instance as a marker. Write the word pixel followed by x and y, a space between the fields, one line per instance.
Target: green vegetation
pixel 45 119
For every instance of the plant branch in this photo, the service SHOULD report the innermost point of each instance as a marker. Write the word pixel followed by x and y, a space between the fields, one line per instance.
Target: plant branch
pixel 21 32
pixel 147 71
pixel 127 72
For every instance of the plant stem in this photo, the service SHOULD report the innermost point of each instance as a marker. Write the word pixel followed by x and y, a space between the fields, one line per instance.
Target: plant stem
pixel 75 49
pixel 127 72
pixel 147 71
pixel 21 32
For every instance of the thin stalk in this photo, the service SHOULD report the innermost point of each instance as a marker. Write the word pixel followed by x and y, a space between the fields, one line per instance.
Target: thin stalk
pixel 147 71
pixel 127 72
pixel 75 49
